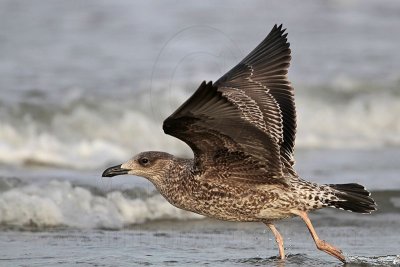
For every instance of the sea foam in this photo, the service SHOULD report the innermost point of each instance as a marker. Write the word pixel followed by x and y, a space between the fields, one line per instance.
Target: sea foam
pixel 59 203
pixel 90 132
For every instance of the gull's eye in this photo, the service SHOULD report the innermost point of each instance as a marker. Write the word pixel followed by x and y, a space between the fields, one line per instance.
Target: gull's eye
pixel 144 161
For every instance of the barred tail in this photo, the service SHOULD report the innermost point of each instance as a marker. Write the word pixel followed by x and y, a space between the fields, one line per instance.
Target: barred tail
pixel 352 197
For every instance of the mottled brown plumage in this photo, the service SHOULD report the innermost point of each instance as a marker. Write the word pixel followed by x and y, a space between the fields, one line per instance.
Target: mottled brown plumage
pixel 242 132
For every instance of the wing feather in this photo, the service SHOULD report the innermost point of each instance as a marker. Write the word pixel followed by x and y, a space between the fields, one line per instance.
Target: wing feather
pixel 265 70
pixel 212 125
pixel 246 121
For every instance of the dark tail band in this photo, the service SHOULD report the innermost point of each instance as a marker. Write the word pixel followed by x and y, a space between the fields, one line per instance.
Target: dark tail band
pixel 353 197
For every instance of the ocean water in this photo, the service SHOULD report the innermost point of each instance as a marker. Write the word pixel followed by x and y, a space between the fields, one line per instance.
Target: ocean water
pixel 85 85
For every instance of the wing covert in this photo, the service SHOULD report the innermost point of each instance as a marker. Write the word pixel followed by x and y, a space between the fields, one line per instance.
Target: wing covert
pixel 262 75
pixel 249 111
pixel 213 127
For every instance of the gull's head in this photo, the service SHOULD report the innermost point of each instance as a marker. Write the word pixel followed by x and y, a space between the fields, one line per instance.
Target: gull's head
pixel 152 165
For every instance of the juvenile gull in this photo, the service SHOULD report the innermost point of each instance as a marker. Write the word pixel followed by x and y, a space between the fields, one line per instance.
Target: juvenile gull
pixel 242 131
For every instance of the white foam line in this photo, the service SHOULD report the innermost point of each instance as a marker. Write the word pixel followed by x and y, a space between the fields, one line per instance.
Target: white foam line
pixel 60 203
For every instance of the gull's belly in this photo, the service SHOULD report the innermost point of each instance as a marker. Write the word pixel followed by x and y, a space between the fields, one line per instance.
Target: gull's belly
pixel 231 203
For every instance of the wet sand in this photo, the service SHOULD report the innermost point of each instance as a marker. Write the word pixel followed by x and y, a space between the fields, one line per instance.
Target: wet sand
pixel 366 240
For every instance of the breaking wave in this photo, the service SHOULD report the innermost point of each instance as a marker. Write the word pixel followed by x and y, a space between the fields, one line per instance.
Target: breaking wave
pixel 60 203
pixel 25 204
pixel 91 131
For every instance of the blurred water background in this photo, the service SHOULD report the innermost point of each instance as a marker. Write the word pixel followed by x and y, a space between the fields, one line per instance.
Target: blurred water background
pixel 86 84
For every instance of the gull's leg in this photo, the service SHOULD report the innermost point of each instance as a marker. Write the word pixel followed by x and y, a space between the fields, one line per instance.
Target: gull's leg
pixel 321 244
pixel 278 238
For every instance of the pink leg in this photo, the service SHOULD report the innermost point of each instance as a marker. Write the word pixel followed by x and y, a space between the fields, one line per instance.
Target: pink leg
pixel 278 238
pixel 321 244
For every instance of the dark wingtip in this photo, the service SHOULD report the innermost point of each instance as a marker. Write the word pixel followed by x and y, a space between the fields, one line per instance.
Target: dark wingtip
pixel 278 28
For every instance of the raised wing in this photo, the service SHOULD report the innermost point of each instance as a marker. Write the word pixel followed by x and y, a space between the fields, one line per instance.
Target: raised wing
pixel 261 77
pixel 247 118
pixel 214 127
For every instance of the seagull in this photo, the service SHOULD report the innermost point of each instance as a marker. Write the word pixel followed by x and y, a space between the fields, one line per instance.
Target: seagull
pixel 242 131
